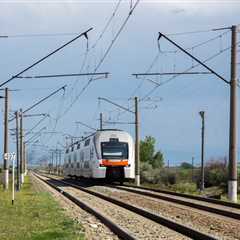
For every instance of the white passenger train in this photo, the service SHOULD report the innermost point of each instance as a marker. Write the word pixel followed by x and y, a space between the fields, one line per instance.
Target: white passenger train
pixel 106 154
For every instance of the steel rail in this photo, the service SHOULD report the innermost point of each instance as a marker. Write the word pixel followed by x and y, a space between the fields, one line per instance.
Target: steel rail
pixel 218 211
pixel 180 228
pixel 119 231
pixel 204 199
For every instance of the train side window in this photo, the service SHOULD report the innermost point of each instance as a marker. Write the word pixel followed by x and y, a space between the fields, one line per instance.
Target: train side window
pixel 91 153
pixel 81 156
pixel 87 142
pixel 75 157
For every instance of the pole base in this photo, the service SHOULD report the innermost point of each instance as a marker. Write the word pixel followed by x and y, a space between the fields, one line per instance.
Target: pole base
pixel 137 180
pixel 232 190
pixel 5 179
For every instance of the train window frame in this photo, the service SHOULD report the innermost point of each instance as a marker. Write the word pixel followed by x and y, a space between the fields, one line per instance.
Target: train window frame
pixel 112 156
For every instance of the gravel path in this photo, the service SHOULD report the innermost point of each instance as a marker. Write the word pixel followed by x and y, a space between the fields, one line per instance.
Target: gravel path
pixel 220 227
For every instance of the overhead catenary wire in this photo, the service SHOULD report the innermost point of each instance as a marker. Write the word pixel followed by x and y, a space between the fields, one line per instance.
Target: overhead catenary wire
pixel 88 49
pixel 45 98
pixel 148 70
pixel 198 44
pixel 107 24
pixel 175 51
pixel 175 76
pixel 41 100
pixel 86 125
pixel 101 61
pixel 37 124
pixel 188 69
pixel 37 134
pixel 58 34
pixel 104 57
pixel 197 32
pixel 33 35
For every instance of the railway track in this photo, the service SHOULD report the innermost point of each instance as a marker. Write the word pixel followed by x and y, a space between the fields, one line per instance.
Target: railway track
pixel 226 209
pixel 120 232
pixel 222 208
pixel 162 221
pixel 188 196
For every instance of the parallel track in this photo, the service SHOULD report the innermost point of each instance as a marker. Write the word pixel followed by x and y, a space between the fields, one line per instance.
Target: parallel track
pixel 187 231
pixel 188 196
pixel 184 202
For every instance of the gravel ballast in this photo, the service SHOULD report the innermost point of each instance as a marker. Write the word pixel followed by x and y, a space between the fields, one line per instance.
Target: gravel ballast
pixel 220 227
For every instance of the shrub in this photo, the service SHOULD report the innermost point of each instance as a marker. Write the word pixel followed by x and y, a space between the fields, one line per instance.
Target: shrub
pixel 157 175
pixel 216 174
pixel 186 165
pixel 184 187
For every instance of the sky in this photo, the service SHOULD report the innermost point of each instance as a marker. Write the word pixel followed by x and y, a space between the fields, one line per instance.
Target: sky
pixel 170 113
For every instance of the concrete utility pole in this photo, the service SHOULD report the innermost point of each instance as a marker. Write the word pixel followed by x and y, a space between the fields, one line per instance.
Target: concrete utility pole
pixel 192 169
pixel 101 121
pixel 60 163
pixel 137 143
pixel 17 150
pixel 56 163
pixel 21 148
pixel 232 177
pixel 52 168
pixel 5 144
pixel 202 114
pixel 233 141
pixel 25 158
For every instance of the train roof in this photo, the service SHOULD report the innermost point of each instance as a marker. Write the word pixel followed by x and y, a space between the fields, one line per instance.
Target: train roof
pixel 98 130
pixel 110 129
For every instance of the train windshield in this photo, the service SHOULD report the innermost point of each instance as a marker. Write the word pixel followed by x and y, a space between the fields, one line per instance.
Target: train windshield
pixel 114 150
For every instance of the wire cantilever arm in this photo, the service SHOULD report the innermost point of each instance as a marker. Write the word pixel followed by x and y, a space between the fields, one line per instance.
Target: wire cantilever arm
pixel 190 55
pixel 47 56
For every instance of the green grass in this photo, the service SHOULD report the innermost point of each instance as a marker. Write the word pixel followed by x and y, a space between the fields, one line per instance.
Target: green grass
pixel 35 216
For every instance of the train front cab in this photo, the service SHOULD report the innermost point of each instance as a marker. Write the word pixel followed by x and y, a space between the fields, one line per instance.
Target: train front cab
pixel 116 157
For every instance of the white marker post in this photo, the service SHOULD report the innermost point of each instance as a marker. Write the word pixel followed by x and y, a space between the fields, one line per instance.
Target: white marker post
pixel 9 157
pixel 13 177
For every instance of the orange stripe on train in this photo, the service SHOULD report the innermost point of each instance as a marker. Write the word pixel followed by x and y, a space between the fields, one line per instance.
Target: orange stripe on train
pixel 114 162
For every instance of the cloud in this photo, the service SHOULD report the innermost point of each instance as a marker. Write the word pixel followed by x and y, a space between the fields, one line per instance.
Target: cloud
pixel 215 7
